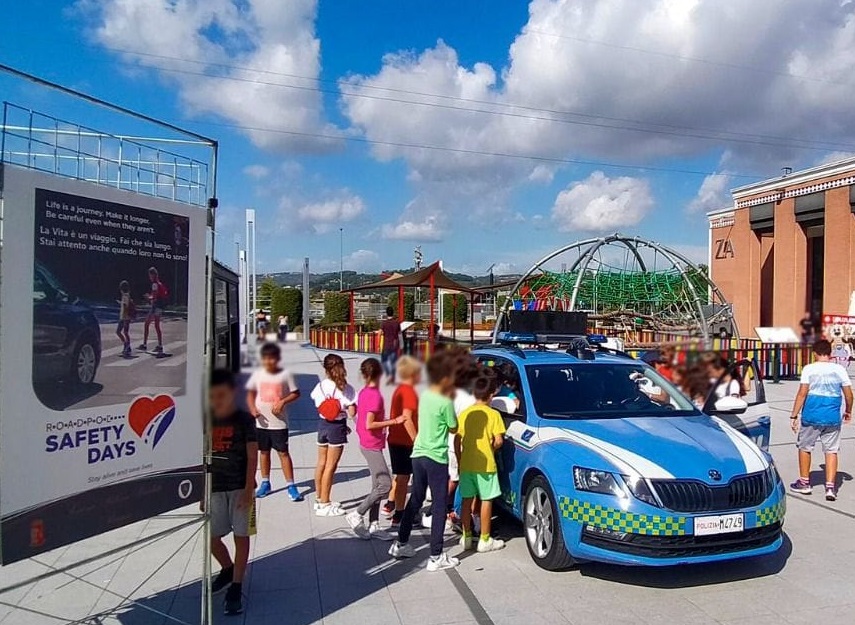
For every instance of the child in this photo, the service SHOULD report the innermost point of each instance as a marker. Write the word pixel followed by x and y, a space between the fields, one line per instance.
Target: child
pixel 479 435
pixel 405 405
pixel 157 300
pixel 269 390
pixel 430 463
pixel 332 435
pixel 126 315
pixel 825 385
pixel 234 456
pixel 371 424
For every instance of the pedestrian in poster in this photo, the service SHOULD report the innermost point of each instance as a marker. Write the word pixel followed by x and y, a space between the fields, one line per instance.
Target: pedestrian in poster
pixel 157 296
pixel 824 387
pixel 127 311
pixel 234 460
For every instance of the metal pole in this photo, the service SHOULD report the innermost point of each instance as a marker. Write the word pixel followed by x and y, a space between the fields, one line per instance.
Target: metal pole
pixel 341 259
pixel 254 270
pixel 306 320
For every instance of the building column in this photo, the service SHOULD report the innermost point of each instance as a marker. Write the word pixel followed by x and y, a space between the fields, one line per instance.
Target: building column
pixel 838 265
pixel 790 295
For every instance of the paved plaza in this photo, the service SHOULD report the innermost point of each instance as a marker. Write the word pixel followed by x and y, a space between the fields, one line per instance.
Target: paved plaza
pixel 307 570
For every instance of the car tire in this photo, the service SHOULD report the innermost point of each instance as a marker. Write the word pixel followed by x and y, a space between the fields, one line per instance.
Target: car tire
pixel 542 527
pixel 84 363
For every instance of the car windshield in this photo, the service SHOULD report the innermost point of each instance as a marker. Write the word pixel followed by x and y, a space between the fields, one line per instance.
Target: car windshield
pixel 604 391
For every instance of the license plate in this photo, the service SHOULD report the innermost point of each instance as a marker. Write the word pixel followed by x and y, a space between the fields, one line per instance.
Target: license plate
pixel 719 524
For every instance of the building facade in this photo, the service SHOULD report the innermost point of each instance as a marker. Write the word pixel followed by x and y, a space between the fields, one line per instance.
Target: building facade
pixel 787 247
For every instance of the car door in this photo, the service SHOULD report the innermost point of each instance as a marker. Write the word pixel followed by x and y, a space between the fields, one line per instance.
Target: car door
pixel 755 420
pixel 513 414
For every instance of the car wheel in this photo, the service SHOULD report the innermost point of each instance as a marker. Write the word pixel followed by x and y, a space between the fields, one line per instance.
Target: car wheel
pixel 542 527
pixel 84 364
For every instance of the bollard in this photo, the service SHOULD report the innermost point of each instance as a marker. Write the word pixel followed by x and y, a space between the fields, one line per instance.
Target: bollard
pixel 776 364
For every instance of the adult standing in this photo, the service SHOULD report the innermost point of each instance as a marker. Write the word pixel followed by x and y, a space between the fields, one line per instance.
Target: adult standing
pixel 824 387
pixel 282 328
pixel 391 331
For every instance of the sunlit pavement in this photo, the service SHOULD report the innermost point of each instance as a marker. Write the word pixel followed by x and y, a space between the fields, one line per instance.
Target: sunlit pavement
pixel 309 570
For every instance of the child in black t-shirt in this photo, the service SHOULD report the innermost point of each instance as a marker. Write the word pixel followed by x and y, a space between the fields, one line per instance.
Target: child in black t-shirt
pixel 234 458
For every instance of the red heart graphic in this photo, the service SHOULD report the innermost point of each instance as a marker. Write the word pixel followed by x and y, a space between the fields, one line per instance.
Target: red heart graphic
pixel 145 409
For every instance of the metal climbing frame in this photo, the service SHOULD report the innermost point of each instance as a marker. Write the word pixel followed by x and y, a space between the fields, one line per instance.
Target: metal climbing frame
pixel 626 282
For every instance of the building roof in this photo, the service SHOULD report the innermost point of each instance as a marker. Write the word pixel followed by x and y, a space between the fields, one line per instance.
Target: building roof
pixel 836 168
pixel 422 277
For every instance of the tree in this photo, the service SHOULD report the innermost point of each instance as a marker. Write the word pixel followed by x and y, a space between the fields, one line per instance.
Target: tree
pixel 336 307
pixel 288 302
pixel 455 307
pixel 409 306
pixel 265 293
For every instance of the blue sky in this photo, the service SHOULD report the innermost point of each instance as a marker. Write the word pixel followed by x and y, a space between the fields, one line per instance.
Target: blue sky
pixel 539 124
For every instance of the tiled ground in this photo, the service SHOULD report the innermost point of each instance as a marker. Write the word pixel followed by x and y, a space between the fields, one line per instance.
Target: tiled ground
pixel 307 570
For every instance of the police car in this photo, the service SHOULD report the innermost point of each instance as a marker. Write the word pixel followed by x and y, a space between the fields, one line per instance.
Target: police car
pixel 605 460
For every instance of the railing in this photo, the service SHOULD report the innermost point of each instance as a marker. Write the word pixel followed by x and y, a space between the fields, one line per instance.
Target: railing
pixel 787 359
pixel 140 164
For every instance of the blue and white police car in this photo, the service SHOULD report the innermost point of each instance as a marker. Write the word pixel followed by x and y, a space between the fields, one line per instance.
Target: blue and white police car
pixel 605 460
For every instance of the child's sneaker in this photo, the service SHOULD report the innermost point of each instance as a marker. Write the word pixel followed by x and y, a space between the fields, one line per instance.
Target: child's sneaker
pixel 143 347
pixel 375 531
pixel 442 562
pixel 127 351
pixel 234 600
pixel 329 509
pixel 263 489
pixel 491 544
pixel 158 349
pixel 801 486
pixel 357 524
pixel 466 542
pixel 222 580
pixel 830 492
pixel 388 509
pixel 293 493
pixel 401 550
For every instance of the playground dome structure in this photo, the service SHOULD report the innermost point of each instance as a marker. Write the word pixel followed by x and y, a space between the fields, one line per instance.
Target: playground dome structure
pixel 625 284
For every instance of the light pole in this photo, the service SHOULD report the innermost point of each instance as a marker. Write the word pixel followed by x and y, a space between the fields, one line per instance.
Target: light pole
pixel 341 259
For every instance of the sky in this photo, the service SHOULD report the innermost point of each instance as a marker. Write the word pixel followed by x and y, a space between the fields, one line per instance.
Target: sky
pixel 485 132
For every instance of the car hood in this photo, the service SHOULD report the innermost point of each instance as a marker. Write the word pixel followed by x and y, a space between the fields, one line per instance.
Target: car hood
pixel 669 447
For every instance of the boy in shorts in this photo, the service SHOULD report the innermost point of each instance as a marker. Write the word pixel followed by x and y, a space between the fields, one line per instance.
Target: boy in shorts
pixel 268 392
pixel 405 403
pixel 234 456
pixel 824 386
pixel 480 433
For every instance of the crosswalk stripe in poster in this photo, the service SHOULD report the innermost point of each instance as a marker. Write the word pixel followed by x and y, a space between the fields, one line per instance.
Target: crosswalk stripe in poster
pixel 101 335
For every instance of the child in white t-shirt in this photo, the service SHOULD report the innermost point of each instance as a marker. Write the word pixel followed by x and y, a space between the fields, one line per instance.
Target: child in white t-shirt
pixel 269 390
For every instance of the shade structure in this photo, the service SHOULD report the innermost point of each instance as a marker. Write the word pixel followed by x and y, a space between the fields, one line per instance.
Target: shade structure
pixel 432 277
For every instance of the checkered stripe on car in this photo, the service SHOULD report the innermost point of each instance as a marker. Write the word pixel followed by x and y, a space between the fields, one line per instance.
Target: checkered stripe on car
pixel 620 521
pixel 771 514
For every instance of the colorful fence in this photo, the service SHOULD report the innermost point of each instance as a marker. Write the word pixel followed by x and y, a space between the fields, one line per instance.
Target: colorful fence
pixel 788 359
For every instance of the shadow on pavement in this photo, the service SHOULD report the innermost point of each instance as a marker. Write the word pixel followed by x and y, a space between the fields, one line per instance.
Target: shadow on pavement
pixel 281 585
pixel 817 478
pixel 59 395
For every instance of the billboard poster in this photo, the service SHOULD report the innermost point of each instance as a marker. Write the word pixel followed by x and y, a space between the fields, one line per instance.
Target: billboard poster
pixel 101 335
pixel 840 330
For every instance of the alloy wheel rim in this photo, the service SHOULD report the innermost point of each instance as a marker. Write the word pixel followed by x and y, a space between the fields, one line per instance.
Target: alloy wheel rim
pixel 86 364
pixel 538 522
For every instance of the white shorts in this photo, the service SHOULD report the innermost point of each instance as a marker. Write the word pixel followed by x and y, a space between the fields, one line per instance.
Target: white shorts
pixel 228 518
pixel 453 468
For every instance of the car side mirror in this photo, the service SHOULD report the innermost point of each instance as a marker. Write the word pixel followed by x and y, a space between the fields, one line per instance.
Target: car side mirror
pixel 731 405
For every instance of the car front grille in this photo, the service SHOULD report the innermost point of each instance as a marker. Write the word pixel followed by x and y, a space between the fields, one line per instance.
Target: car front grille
pixel 686 546
pixel 694 496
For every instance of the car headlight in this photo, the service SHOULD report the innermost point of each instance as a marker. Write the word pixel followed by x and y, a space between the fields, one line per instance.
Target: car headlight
pixel 640 490
pixel 772 477
pixel 594 481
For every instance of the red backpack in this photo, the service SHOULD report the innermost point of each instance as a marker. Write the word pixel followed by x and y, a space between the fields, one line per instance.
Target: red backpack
pixel 162 293
pixel 331 408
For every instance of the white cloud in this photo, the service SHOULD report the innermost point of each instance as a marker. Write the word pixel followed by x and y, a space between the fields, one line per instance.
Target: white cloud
pixel 256 171
pixel 425 230
pixel 713 194
pixel 542 174
pixel 600 203
pixel 833 157
pixel 229 50
pixel 614 70
pixel 322 216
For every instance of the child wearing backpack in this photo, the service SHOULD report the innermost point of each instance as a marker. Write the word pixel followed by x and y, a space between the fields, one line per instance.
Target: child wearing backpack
pixel 157 297
pixel 127 310
pixel 335 400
